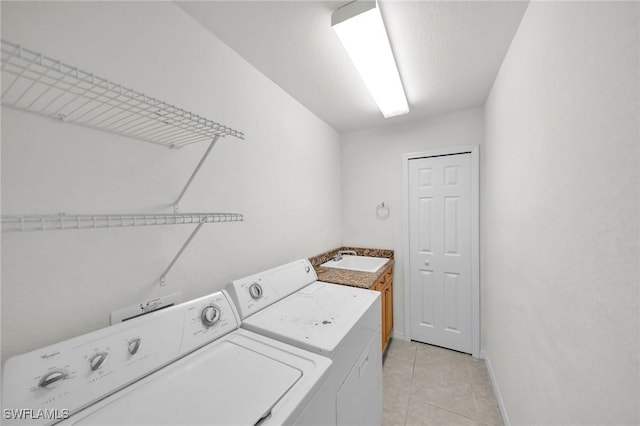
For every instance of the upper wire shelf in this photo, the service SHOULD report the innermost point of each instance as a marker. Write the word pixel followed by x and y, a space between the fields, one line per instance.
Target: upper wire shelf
pixel 65 221
pixel 37 83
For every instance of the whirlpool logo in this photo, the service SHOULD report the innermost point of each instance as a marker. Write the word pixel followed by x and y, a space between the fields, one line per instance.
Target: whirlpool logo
pixel 49 355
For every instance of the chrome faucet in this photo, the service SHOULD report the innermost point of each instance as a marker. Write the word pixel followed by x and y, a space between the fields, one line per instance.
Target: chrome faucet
pixel 338 256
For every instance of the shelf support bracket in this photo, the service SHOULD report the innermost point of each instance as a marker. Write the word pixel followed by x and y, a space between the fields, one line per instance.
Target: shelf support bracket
pixel 195 172
pixel 163 277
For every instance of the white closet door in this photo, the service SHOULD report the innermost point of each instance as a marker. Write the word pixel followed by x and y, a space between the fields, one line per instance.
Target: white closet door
pixel 440 250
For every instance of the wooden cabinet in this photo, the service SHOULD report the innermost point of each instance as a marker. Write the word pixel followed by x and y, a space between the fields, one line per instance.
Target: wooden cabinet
pixel 385 286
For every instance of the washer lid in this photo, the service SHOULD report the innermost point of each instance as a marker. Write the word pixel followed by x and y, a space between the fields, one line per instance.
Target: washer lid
pixel 226 384
pixel 316 318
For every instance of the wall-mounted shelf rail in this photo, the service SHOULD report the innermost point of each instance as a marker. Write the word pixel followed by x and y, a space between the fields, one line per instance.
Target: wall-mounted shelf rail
pixel 66 221
pixel 63 221
pixel 37 83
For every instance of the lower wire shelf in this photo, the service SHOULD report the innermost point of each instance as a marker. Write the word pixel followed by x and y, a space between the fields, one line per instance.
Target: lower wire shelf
pixel 62 221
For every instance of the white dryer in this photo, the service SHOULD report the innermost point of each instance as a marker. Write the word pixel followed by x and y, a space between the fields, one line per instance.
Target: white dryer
pixel 287 303
pixel 186 365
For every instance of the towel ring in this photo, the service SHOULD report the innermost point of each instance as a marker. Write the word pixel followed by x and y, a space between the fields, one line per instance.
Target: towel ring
pixel 383 211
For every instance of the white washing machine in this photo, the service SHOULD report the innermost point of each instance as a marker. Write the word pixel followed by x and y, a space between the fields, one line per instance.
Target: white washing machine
pixel 287 303
pixel 186 365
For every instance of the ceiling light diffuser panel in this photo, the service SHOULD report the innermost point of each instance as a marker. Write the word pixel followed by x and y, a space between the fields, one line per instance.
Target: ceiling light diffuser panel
pixel 362 32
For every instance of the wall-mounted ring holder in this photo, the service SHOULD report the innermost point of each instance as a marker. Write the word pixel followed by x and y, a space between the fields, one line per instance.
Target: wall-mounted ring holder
pixel 383 211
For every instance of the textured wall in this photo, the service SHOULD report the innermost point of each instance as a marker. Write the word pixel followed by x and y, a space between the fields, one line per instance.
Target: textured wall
pixel 283 177
pixel 560 216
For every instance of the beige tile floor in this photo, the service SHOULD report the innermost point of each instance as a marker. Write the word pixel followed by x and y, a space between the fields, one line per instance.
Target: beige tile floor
pixel 428 385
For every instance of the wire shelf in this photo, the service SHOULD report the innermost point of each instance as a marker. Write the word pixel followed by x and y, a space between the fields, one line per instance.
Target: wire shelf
pixel 65 221
pixel 37 83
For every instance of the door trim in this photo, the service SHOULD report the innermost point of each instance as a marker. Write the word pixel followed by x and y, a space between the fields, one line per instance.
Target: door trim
pixel 475 237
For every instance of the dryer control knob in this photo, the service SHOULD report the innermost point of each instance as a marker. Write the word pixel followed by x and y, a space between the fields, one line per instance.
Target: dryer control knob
pixel 209 316
pixel 255 290
pixel 134 345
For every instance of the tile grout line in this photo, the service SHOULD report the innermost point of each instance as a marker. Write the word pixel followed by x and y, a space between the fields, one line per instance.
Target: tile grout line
pixel 413 369
pixel 470 382
pixel 475 384
pixel 454 412
pixel 475 417
pixel 473 392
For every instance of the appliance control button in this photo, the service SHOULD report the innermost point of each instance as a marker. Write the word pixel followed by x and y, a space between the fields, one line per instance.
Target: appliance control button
pixel 210 315
pixel 255 290
pixel 134 345
pixel 52 379
pixel 97 360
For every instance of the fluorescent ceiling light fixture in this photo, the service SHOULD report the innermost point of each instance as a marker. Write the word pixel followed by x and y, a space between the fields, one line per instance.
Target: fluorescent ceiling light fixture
pixel 361 30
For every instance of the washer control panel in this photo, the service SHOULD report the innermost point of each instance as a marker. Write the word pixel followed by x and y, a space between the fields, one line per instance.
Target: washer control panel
pixel 207 319
pixel 52 383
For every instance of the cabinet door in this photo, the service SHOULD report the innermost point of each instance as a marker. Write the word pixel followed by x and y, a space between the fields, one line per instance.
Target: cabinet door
pixel 383 331
pixel 388 310
pixel 379 286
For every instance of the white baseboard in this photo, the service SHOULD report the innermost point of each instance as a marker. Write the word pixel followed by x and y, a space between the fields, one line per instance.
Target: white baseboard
pixel 496 389
pixel 399 335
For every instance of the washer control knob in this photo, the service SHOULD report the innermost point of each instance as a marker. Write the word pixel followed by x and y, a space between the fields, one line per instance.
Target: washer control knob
pixel 53 379
pixel 134 345
pixel 97 360
pixel 210 315
pixel 255 290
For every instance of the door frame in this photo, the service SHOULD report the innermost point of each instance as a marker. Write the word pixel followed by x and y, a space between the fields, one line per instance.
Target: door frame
pixel 475 237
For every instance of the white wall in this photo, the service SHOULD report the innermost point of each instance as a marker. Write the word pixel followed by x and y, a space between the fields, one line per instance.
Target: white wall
pixel 283 177
pixel 372 173
pixel 560 216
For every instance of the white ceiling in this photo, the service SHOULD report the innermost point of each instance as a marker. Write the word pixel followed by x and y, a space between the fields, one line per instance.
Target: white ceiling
pixel 448 52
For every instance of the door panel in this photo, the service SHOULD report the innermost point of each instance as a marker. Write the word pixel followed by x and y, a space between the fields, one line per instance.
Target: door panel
pixel 426 207
pixel 440 250
pixel 451 225
pixel 451 287
pixel 428 299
